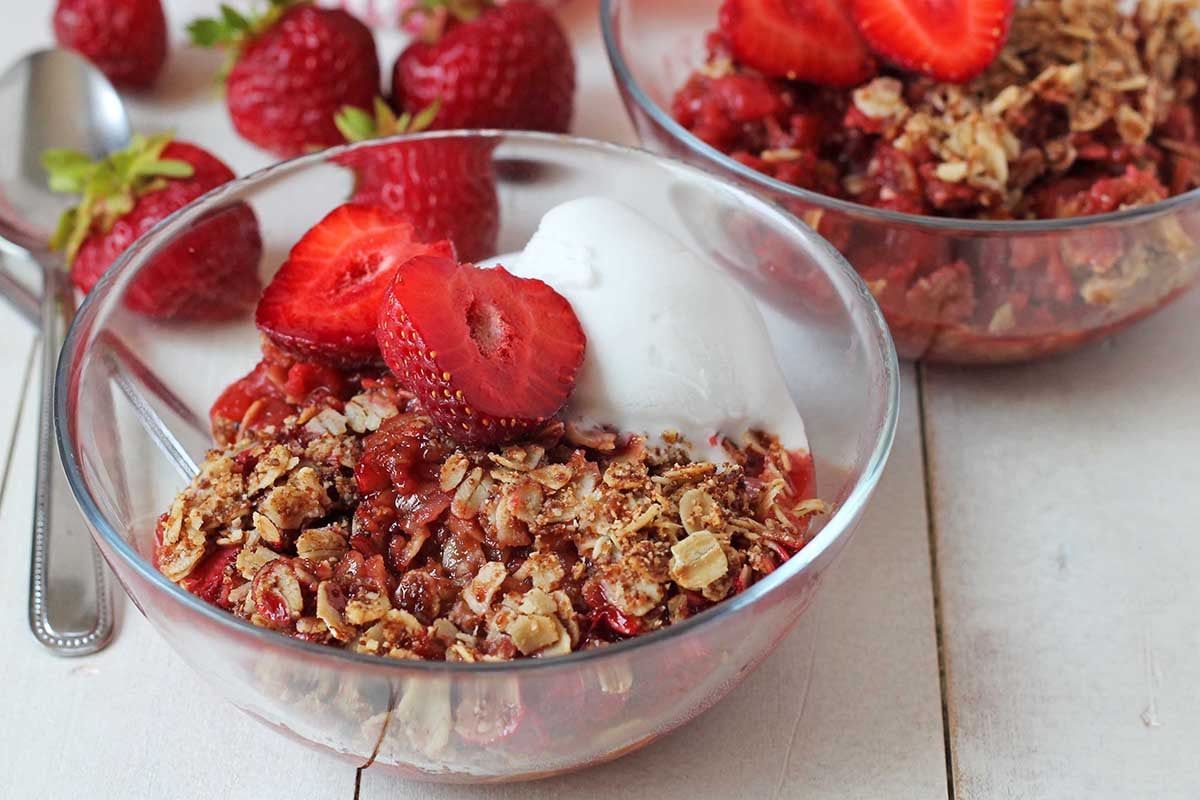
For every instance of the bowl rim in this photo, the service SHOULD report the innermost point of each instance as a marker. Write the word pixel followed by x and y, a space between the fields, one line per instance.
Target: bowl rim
pixel 950 225
pixel 839 525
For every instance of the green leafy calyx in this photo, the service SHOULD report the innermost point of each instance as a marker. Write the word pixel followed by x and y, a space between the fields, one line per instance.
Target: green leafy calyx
pixel 432 17
pixel 359 126
pixel 108 188
pixel 231 30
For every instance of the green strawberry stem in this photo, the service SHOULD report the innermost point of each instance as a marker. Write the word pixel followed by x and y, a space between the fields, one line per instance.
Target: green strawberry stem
pixel 232 30
pixel 433 15
pixel 108 188
pixel 359 126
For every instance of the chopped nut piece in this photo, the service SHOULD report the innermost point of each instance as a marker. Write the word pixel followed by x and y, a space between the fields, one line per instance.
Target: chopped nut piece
pixel 532 632
pixel 698 560
pixel 482 588
pixel 367 608
pixel 300 499
pixel 276 592
pixel 329 609
pixel 453 471
pixel 251 559
pixel 882 98
pixel 321 544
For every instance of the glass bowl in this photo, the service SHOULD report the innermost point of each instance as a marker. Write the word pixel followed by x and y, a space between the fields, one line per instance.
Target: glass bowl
pixel 133 393
pixel 956 291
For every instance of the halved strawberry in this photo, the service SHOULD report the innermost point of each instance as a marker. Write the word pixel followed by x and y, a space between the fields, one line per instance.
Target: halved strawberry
pixel 489 355
pixel 324 302
pixel 807 40
pixel 950 40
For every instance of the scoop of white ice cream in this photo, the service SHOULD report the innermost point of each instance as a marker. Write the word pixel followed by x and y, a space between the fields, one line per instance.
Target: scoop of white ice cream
pixel 673 342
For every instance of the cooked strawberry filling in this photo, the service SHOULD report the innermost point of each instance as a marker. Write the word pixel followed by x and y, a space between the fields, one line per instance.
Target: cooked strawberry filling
pixel 356 521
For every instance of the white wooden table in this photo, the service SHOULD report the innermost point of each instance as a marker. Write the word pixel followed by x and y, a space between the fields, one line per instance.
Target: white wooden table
pixel 1019 616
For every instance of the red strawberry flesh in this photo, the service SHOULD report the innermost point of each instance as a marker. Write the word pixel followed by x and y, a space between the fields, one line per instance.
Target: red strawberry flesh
pixel 950 40
pixel 324 302
pixel 490 356
pixel 808 40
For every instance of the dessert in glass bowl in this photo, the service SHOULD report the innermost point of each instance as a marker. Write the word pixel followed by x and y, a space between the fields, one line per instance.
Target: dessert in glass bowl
pixel 563 452
pixel 1010 180
pixel 132 439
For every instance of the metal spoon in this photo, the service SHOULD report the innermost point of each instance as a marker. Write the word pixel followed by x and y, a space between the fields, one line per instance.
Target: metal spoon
pixel 54 98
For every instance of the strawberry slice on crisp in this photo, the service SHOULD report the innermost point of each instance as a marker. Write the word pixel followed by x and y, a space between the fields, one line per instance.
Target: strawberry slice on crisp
pixel 324 302
pixel 950 40
pixel 489 355
pixel 807 40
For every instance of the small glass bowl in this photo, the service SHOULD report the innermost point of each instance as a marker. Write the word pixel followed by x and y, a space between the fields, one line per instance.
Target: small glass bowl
pixel 959 291
pixel 133 393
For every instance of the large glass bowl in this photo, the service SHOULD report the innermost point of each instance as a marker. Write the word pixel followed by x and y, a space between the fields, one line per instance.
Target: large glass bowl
pixel 133 393
pixel 952 290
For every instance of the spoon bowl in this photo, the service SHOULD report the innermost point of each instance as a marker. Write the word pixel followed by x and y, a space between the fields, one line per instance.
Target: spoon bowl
pixel 52 99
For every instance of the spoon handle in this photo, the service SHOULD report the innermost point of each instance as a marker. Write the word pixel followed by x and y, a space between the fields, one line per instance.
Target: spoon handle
pixel 70 607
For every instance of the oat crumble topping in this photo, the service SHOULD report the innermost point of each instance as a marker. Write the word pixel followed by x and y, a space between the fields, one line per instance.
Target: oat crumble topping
pixel 357 524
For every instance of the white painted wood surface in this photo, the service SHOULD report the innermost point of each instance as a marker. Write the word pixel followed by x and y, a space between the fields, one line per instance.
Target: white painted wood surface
pixel 1067 517
pixel 133 721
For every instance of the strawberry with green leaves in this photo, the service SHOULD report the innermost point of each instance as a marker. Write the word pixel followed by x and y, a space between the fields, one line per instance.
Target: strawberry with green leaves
pixel 490 65
pixel 445 187
pixel 290 68
pixel 209 272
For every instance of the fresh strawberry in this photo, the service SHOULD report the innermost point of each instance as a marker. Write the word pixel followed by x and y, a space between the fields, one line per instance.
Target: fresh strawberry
pixel 289 71
pixel 489 355
pixel 807 40
pixel 490 66
pixel 324 301
pixel 126 39
pixel 950 40
pixel 446 187
pixel 209 272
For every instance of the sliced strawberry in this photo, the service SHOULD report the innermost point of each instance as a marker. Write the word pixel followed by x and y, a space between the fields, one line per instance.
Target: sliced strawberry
pixel 807 40
pixel 324 302
pixel 950 40
pixel 489 355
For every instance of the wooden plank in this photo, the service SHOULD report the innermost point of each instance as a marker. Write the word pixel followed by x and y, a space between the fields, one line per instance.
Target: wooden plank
pixel 1066 516
pixel 858 715
pixel 132 721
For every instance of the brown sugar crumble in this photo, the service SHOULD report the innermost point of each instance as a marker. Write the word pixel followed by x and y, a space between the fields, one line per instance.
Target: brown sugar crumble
pixel 355 523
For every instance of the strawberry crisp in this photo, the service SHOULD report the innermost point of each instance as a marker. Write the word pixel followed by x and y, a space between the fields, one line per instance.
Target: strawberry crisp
pixel 979 110
pixel 1084 110
pixel 424 510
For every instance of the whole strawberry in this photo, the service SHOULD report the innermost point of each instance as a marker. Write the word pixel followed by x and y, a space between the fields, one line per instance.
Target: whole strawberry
pixel 445 187
pixel 209 272
pixel 126 39
pixel 290 70
pixel 490 66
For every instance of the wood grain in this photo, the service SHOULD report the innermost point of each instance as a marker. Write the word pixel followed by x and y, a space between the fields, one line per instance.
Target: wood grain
pixel 1067 522
pixel 134 721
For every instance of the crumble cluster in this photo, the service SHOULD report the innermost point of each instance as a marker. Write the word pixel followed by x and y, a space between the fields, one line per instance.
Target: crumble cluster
pixel 359 526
